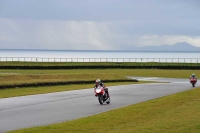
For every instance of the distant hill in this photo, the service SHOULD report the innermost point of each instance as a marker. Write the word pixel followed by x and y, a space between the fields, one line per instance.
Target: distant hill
pixel 178 47
pixel 182 47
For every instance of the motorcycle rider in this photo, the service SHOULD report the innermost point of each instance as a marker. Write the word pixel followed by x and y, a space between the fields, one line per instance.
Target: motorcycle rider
pixel 193 76
pixel 97 83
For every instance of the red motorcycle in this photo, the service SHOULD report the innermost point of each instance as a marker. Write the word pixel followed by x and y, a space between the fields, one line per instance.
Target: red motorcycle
pixel 102 95
pixel 193 81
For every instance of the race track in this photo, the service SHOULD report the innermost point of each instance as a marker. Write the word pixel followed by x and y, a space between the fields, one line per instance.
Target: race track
pixel 43 109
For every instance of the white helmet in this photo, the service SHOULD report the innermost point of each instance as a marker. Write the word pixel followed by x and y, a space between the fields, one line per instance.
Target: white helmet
pixel 98 81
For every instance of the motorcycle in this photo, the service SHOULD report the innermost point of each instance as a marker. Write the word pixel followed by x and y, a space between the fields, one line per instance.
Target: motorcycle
pixel 102 95
pixel 193 81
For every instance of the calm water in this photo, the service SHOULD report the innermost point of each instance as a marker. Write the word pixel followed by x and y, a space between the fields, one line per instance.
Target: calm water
pixel 45 54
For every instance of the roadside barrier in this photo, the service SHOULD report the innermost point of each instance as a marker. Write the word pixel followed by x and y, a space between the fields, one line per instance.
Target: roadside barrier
pixel 118 60
pixel 192 67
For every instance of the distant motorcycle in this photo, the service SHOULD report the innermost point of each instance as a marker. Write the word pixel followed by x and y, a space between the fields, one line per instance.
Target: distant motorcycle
pixel 193 81
pixel 102 95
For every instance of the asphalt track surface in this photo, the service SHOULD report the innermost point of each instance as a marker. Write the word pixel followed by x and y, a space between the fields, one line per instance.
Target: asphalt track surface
pixel 44 109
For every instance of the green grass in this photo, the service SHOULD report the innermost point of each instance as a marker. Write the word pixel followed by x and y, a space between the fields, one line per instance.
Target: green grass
pixel 35 76
pixel 5 93
pixel 54 77
pixel 32 76
pixel 124 72
pixel 177 113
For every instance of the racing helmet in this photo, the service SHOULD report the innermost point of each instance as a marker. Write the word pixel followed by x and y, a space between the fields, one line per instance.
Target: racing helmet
pixel 98 81
pixel 193 75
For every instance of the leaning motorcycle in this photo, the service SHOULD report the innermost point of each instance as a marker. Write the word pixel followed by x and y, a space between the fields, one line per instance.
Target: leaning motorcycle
pixel 102 95
pixel 193 81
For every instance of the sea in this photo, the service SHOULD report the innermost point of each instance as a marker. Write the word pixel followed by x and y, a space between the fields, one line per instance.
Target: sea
pixel 96 56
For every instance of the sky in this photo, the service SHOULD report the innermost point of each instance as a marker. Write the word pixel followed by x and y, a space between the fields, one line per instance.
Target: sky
pixel 97 24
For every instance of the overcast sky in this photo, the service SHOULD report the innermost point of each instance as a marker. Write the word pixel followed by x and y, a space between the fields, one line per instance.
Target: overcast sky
pixel 97 24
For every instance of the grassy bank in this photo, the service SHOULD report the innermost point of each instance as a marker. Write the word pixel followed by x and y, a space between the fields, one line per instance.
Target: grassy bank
pixel 34 76
pixel 90 74
pixel 5 93
pixel 177 113
pixel 37 77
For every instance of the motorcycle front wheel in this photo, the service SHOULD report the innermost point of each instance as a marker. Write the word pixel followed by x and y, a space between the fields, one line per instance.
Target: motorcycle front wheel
pixel 193 85
pixel 100 98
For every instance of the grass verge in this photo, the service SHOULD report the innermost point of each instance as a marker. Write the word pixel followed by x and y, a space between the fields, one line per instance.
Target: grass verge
pixel 12 79
pixel 95 73
pixel 5 93
pixel 34 76
pixel 177 113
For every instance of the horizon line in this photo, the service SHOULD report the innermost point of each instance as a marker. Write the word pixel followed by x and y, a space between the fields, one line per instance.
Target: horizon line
pixel 101 50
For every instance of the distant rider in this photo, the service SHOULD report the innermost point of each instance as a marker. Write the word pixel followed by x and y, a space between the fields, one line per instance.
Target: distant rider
pixel 98 82
pixel 193 76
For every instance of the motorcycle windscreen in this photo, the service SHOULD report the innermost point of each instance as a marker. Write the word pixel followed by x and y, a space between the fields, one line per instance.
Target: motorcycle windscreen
pixel 98 89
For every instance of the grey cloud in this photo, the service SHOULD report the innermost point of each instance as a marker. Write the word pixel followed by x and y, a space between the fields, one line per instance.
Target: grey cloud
pixel 94 24
pixel 160 27
pixel 46 34
pixel 95 10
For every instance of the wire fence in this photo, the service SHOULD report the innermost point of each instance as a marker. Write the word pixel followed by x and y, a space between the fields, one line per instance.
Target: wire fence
pixel 41 59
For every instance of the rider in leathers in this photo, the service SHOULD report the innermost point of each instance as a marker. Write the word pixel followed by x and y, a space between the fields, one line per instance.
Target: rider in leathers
pixel 98 82
pixel 193 76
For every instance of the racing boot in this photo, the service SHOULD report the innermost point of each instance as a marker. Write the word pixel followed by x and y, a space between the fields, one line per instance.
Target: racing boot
pixel 108 95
